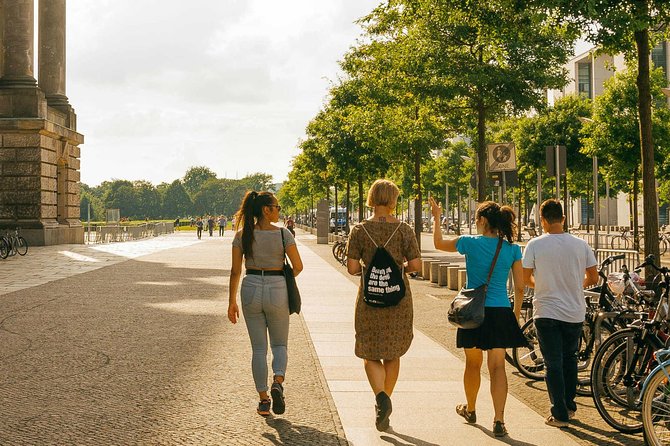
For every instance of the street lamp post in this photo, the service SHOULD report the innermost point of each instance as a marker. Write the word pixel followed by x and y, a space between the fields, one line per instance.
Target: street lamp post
pixel 467 158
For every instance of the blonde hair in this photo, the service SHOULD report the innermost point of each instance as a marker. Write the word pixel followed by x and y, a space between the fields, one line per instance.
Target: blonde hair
pixel 383 193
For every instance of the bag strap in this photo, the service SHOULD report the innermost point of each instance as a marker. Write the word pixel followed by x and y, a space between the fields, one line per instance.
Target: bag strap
pixel 387 241
pixel 283 242
pixel 495 258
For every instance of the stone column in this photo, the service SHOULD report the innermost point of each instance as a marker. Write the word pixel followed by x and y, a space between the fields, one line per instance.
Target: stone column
pixel 52 51
pixel 17 44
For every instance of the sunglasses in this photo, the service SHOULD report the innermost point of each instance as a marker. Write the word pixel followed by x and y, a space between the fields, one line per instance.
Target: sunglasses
pixel 275 206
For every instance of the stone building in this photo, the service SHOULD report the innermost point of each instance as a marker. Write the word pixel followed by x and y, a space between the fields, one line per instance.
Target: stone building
pixel 39 143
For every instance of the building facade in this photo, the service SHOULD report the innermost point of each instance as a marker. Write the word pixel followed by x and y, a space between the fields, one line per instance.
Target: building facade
pixel 39 142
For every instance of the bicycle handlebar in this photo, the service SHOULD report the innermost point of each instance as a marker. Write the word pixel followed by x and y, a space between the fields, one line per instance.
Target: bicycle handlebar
pixel 649 261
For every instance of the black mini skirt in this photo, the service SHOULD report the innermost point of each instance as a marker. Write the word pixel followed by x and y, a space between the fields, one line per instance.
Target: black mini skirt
pixel 499 330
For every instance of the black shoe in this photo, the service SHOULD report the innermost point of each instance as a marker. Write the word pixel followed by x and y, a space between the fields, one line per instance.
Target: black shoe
pixel 462 410
pixel 383 410
pixel 499 429
pixel 278 404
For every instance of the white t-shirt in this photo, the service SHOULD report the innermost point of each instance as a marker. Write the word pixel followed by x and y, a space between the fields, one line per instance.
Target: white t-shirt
pixel 560 262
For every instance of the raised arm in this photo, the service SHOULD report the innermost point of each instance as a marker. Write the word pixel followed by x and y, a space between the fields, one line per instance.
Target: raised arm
pixel 448 245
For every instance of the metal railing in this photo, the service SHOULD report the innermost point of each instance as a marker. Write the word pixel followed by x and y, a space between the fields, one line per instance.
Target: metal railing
pixel 108 234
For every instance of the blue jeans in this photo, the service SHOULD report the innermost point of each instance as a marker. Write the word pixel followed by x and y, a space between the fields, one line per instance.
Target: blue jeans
pixel 559 342
pixel 265 308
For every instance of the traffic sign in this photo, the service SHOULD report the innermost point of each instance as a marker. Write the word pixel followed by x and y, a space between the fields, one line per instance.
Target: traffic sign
pixel 501 157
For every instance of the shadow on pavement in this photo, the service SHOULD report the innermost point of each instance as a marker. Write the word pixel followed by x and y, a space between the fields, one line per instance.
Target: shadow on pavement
pixel 407 440
pixel 615 438
pixel 509 439
pixel 292 434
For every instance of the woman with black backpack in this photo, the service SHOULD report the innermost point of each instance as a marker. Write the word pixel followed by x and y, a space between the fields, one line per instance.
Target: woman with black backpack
pixel 384 312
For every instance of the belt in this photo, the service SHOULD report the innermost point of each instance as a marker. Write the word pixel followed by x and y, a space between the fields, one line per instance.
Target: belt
pixel 260 272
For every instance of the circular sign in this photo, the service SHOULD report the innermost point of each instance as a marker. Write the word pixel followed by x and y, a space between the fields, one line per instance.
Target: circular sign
pixel 502 154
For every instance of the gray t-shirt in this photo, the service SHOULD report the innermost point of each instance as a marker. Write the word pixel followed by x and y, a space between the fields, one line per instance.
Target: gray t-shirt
pixel 267 248
pixel 560 262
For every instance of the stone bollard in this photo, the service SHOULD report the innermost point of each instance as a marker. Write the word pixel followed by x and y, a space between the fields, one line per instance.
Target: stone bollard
pixel 452 277
pixel 442 274
pixel 425 268
pixel 434 270
pixel 462 278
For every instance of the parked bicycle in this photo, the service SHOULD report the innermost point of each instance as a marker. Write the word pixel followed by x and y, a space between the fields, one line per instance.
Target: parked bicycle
pixel 655 405
pixel 340 250
pixel 12 244
pixel 625 359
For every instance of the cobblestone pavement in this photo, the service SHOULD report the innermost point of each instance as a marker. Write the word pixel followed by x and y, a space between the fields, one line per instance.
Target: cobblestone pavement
pixel 430 308
pixel 140 352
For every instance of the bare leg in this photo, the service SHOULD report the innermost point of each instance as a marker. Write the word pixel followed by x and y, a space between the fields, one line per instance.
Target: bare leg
pixel 392 369
pixel 376 374
pixel 496 364
pixel 472 377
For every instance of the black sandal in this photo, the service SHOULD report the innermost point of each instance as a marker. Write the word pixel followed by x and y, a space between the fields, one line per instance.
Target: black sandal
pixel 462 410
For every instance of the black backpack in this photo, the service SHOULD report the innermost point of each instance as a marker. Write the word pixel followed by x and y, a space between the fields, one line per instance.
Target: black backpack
pixel 383 285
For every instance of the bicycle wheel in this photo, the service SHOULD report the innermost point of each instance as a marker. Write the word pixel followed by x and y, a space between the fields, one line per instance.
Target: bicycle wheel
pixel 614 242
pixel 21 246
pixel 529 360
pixel 585 355
pixel 336 246
pixel 656 409
pixel 342 254
pixel 4 248
pixel 617 402
pixel 663 246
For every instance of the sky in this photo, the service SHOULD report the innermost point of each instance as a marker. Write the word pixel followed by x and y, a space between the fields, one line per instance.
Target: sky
pixel 162 85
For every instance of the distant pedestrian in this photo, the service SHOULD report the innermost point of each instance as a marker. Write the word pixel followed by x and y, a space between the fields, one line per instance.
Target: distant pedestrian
pixel 198 227
pixel 263 294
pixel 192 221
pixel 290 224
pixel 500 329
pixel 222 225
pixel 210 225
pixel 559 266
pixel 383 335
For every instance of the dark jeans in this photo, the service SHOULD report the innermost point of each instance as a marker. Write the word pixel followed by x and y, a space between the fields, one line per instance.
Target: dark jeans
pixel 559 342
pixel 221 228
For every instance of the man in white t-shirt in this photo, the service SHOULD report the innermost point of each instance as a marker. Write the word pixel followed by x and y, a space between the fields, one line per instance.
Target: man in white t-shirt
pixel 559 266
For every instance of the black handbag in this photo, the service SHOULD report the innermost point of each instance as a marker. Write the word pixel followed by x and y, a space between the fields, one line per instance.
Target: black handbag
pixel 467 308
pixel 294 300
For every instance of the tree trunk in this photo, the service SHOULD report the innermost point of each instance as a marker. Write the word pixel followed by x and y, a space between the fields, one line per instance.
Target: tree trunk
pixel 649 199
pixel 418 221
pixel 481 152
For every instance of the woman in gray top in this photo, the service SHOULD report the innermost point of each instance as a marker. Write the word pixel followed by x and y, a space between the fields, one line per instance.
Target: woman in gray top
pixel 263 294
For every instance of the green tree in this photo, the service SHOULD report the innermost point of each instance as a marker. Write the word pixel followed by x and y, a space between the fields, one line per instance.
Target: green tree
pixel 476 59
pixel 121 195
pixel 628 26
pixel 176 201
pixel 148 199
pixel 614 133
pixel 195 177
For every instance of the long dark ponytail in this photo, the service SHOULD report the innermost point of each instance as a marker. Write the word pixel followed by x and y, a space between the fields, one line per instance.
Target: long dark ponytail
pixel 501 218
pixel 250 213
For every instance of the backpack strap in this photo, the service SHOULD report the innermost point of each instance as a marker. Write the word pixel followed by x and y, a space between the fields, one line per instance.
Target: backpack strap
pixel 387 241
pixel 402 267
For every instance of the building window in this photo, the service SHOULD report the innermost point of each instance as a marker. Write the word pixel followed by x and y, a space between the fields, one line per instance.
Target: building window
pixel 584 79
pixel 659 57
